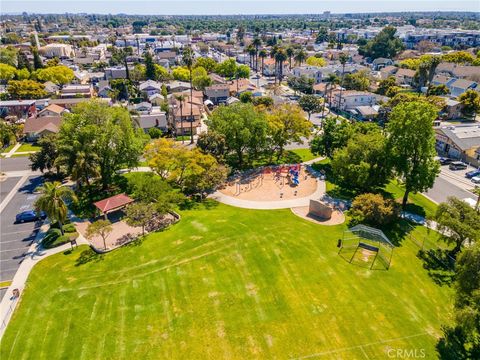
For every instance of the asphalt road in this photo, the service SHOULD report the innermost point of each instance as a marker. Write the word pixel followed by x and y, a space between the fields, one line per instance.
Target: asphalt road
pixel 15 239
pixel 443 188
pixel 15 164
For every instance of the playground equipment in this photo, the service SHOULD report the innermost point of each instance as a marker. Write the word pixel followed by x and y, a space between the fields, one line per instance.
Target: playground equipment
pixel 294 172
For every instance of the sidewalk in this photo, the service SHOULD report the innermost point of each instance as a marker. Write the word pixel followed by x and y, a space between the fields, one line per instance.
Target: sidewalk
pixel 12 150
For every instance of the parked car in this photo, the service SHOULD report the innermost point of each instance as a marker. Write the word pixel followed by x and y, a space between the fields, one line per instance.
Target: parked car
pixel 445 161
pixel 29 215
pixel 472 174
pixel 457 165
pixel 476 179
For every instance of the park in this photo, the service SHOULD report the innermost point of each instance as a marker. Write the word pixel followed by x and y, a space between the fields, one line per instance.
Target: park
pixel 227 282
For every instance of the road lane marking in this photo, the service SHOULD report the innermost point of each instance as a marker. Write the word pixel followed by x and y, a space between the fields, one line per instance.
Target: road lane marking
pixel 12 192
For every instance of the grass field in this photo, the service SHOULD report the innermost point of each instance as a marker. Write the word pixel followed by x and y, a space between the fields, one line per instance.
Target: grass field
pixel 28 147
pixel 227 283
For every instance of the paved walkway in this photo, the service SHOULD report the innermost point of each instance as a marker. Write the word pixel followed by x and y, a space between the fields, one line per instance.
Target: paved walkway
pixel 35 254
pixel 12 150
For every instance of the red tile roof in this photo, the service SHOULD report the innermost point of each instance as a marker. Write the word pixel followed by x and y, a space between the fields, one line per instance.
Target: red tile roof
pixel 113 202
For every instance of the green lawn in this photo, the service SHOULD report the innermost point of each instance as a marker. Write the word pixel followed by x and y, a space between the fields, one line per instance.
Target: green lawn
pixel 28 147
pixel 227 283
pixel 304 154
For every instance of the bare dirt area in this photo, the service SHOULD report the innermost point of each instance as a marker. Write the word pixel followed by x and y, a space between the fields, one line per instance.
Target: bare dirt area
pixel 272 184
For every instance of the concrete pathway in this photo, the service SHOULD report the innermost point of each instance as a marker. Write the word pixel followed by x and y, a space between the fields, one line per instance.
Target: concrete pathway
pixel 35 254
pixel 12 150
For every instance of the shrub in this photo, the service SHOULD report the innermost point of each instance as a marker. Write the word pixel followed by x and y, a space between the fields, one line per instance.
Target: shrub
pixel 62 240
pixel 373 209
pixel 69 228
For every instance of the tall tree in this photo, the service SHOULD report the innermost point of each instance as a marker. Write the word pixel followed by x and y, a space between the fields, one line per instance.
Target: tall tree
pixel 181 100
pixel 140 214
pixel 101 228
pixel 300 57
pixel 335 135
pixel 384 44
pixel 412 145
pixel 458 223
pixel 287 123
pixel 263 54
pixel 150 71
pixel 106 131
pixel 310 104
pixel 45 158
pixel 257 42
pixel 243 128
pixel 51 200
pixel 343 58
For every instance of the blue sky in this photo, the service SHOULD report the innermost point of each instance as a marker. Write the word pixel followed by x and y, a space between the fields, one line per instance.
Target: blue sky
pixel 172 7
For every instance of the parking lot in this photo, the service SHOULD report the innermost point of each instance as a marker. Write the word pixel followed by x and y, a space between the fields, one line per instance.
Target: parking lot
pixel 15 239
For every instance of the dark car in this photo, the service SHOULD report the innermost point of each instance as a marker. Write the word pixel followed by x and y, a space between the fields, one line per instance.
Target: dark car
pixel 28 216
pixel 472 174
pixel 457 165
pixel 445 161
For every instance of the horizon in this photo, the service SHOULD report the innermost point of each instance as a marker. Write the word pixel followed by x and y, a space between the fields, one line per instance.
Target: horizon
pixel 230 7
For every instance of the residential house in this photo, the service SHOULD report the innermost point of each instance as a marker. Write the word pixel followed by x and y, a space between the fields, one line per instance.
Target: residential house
pixel 142 108
pixel 52 110
pixel 459 142
pixel 388 71
pixel 19 108
pixel 70 103
pixel 156 99
pixel 350 99
pixel 51 88
pixel 187 113
pixel 311 72
pixel 239 86
pixel 150 87
pixel 35 128
pixel 269 68
pixel 116 72
pixel 459 86
pixel 380 63
pixel 178 86
pixel 155 118
pixel 458 71
pixel 169 56
pixel 405 77
pixel 452 109
pixel 217 93
pixel 75 91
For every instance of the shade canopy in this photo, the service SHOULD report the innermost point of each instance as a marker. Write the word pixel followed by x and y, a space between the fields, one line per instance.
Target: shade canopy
pixel 113 203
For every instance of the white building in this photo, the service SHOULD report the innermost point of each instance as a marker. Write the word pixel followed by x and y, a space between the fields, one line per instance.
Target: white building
pixel 57 50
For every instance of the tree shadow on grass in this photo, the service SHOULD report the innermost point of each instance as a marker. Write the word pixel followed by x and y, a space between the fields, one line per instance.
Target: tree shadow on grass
pixel 397 231
pixel 195 204
pixel 439 265
pixel 88 256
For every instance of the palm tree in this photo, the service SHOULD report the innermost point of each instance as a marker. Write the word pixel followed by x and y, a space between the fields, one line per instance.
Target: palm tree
pixel 343 60
pixel 290 53
pixel 52 201
pixel 263 55
pixel 280 58
pixel 257 42
pixel 251 53
pixel 181 98
pixel 300 57
pixel 187 58
pixel 85 167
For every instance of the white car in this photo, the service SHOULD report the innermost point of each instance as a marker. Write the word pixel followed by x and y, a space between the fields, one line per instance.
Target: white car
pixel 476 179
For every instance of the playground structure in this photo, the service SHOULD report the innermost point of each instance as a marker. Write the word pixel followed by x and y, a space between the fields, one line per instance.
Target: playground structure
pixel 271 183
pixel 370 243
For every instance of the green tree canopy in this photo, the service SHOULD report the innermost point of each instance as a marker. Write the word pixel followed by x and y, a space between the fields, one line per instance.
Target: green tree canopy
pixel 384 44
pixel 412 145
